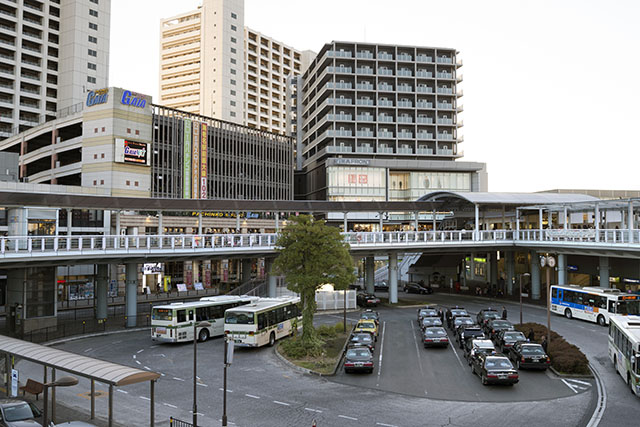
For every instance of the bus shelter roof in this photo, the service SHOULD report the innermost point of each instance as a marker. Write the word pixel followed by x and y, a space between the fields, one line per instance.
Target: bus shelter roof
pixel 88 367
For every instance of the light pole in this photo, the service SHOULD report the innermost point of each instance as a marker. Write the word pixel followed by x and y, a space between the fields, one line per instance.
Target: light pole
pixel 203 324
pixel 228 359
pixel 549 262
pixel 523 274
pixel 62 382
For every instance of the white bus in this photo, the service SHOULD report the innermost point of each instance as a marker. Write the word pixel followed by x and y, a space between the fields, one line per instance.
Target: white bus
pixel 624 349
pixel 591 303
pixel 262 322
pixel 174 322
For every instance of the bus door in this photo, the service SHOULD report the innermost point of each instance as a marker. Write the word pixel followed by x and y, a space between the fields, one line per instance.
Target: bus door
pixel 612 306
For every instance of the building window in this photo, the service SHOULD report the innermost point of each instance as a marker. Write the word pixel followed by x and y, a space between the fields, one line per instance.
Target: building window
pixel 91 79
pixel 128 183
pixel 233 93
pixel 128 130
pixel 91 66
pixel 233 82
pixel 102 182
pixel 234 28
pixel 233 50
pixel 102 155
pixel 93 12
pixel 232 113
pixel 233 40
pixel 93 26
pixel 233 71
pixel 95 130
pixel 92 52
pixel 233 103
pixel 93 39
pixel 233 61
pixel 95 182
pixel 136 183
pixel 137 132
pixel 94 1
pixel 234 16
pixel 95 157
pixel 103 131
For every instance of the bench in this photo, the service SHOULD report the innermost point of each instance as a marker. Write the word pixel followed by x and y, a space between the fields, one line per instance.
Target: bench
pixel 33 387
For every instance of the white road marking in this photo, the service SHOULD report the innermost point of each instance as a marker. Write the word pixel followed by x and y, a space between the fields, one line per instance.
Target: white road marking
pixel 116 342
pixel 578 381
pixel 386 425
pixel 134 356
pixel 570 386
pixel 170 405
pixel 281 403
pixel 453 345
pixel 348 418
pixel 138 362
pixel 252 396
pixel 122 391
pixel 147 368
pixel 162 374
pixel 202 385
pixel 413 330
pixel 145 398
pixel 313 410
pixel 384 325
pixel 221 389
pixel 178 379
pixel 88 350
pixel 153 346
pixel 601 404
pixel 140 351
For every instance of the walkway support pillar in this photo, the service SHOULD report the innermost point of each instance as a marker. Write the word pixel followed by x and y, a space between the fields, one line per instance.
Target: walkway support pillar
pixel 540 222
pixel 535 275
pixel 380 218
pixel 393 278
pixel 597 221
pixel 369 272
pixel 517 236
pixel 199 223
pixel 493 268
pixel 562 269
pixel 69 221
pixel 415 225
pixel 345 224
pixel 246 270
pixel 160 229
pixel 604 272
pixel 511 270
pixel 272 279
pixel 476 226
pixel 565 219
pixel 630 221
pixel 131 293
pixel 101 291
pixel 277 222
pixel 117 242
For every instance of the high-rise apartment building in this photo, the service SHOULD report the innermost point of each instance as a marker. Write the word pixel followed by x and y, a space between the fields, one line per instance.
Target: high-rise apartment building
pixel 211 64
pixel 380 122
pixel 52 52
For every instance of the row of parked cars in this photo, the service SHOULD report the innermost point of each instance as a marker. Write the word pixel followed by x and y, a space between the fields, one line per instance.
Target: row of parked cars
pixel 491 345
pixel 362 343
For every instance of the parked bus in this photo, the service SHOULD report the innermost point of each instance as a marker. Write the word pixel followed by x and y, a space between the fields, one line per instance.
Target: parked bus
pixel 591 303
pixel 262 322
pixel 174 322
pixel 624 349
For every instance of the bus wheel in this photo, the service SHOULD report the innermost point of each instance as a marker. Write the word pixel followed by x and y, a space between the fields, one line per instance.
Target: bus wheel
pixel 615 363
pixel 272 339
pixel 203 335
pixel 568 314
pixel 601 320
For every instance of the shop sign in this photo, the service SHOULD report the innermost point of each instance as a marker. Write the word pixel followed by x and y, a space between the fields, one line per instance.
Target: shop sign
pixel 96 97
pixel 247 215
pixel 135 152
pixel 630 280
pixel 352 162
pixel 152 268
pixel 572 267
pixel 181 287
pixel 195 159
pixel 203 161
pixel 133 99
pixel 186 168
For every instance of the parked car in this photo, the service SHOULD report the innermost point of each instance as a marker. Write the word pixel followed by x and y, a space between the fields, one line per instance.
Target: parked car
pixel 367 300
pixel 487 314
pixel 417 288
pixel 474 347
pixel 529 355
pixel 428 322
pixel 18 413
pixel 362 339
pixel 369 314
pixel 494 326
pixel 462 320
pixel 365 325
pixel 358 359
pixel 435 337
pixel 426 312
pixel 494 369
pixel 506 339
pixel 381 286
pixel 468 331
pixel 454 312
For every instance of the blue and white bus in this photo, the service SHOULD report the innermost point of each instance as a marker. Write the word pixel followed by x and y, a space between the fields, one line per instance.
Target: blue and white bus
pixel 591 303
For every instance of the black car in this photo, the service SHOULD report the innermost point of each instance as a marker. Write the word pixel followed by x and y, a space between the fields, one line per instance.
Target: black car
pixel 367 300
pixel 358 360
pixel 417 288
pixel 468 331
pixel 462 320
pixel 487 314
pixel 381 286
pixel 428 322
pixel 492 327
pixel 529 355
pixel 435 337
pixel 426 312
pixel 370 315
pixel 362 339
pixel 494 369
pixel 506 339
pixel 454 312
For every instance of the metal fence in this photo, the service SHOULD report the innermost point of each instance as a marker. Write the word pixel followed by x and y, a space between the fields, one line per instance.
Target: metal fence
pixel 174 422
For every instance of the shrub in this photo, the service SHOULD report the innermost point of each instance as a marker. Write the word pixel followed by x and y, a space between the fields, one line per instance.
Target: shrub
pixel 293 348
pixel 326 331
pixel 565 358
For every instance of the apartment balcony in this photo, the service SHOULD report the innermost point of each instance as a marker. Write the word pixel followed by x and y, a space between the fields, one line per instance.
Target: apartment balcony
pixel 460 93
pixel 339 54
pixel 340 117
pixel 424 104
pixel 404 73
pixel 424 120
pixel 425 74
pixel 405 135
pixel 385 56
pixel 364 134
pixel 445 91
pixel 444 60
pixel 385 103
pixel 364 70
pixel 9 58
pixel 364 86
pixel 8 42
pixel 339 132
pixel 445 137
pixel 339 85
pixel 424 89
pixel 459 109
pixel 424 150
pixel 339 101
pixel 405 149
pixel 339 149
pixel 459 63
pixel 385 149
pixel 8 13
pixel 342 70
pixel 444 76
pixel 443 152
pixel 364 101
pixel 364 55
pixel 385 119
pixel 424 58
pixel 460 123
pixel 385 72
pixel 405 119
pixel 364 148
pixel 7 29
pixel 405 88
pixel 32 49
pixel 405 104
pixel 459 78
pixel 424 135
pixel 445 121
pixel 385 134
pixel 445 106
pixel 365 118
pixel 404 57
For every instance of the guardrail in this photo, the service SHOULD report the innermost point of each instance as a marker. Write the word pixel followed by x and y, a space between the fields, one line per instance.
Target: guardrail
pixel 174 422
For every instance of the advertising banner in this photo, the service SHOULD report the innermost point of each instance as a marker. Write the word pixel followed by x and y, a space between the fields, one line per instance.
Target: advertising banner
pixel 203 162
pixel 195 161
pixel 135 152
pixel 186 168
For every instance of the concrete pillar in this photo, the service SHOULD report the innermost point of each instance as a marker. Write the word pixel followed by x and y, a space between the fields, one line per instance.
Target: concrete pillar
pixel 393 278
pixel 540 223
pixel 416 218
pixel 277 222
pixel 272 282
pixel 160 229
pixel 517 236
pixel 369 273
pixel 195 271
pixel 535 275
pixel 131 293
pixel 433 220
pixel 630 221
pixel 199 223
pixel 597 221
pixel 344 226
pixel 380 218
pixel 246 270
pixel 116 243
pixel 69 221
pixel 238 222
pixel 511 270
pixel 565 219
pixel 477 223
pixel 604 272
pixel 562 269
pixel 493 268
pixel 102 285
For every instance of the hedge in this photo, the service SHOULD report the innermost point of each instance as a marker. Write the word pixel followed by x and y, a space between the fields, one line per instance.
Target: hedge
pixel 565 358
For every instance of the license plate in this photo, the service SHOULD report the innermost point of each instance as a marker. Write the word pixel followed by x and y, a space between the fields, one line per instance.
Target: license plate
pixel 241 336
pixel 536 358
pixel 359 363
pixel 502 376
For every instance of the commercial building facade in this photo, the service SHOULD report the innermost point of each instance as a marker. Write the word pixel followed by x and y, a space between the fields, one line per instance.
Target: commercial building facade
pixel 52 52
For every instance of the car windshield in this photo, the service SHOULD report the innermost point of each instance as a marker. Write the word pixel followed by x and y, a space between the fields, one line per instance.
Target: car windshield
pixel 532 349
pixel 361 337
pixel 423 312
pixel 432 313
pixel 459 312
pixel 430 321
pixel 491 315
pixel 358 352
pixel 496 363
pixel 368 316
pixel 464 321
pixel 18 412
pixel 501 324
pixel 238 318
pixel 366 325
pixel 514 336
pixel 436 332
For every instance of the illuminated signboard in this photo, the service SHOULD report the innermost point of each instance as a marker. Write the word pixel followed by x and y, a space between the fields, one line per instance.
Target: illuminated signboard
pixel 133 99
pixel 203 162
pixel 195 161
pixel 186 168
pixel 134 152
pixel 96 97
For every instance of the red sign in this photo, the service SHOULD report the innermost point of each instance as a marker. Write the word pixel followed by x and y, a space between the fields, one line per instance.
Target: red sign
pixel 352 178
pixel 363 179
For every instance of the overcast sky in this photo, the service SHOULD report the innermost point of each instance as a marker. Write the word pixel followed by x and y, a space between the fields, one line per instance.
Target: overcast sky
pixel 550 88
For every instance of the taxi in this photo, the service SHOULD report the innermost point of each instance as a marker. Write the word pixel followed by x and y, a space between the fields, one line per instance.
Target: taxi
pixel 366 325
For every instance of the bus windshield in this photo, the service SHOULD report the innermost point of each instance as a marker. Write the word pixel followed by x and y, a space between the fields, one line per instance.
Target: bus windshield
pixel 627 307
pixel 238 318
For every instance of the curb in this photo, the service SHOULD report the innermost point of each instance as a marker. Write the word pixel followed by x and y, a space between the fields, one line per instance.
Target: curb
pixel 342 353
pixel 571 375
pixel 97 334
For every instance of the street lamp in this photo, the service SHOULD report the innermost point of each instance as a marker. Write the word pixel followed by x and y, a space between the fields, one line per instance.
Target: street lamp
pixel 196 325
pixel 62 382
pixel 549 262
pixel 523 274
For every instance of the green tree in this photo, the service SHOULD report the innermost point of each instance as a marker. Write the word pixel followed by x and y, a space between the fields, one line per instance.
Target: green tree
pixel 311 254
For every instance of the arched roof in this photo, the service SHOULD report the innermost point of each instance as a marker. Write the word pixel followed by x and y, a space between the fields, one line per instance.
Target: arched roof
pixel 504 199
